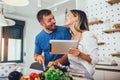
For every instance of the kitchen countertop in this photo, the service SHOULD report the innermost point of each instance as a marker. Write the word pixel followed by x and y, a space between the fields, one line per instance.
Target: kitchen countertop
pixel 108 68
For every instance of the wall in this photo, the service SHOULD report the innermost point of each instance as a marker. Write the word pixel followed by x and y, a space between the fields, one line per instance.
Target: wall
pixel 109 14
pixel 60 20
pixel 32 29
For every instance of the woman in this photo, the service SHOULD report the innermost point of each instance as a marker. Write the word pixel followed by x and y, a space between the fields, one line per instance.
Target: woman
pixel 84 57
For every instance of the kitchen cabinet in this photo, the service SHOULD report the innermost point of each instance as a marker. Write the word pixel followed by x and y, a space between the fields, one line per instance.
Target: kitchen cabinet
pixel 99 75
pixel 107 73
pixel 95 22
pixel 111 2
pixel 112 75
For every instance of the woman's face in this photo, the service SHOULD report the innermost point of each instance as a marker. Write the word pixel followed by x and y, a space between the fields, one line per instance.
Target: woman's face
pixel 69 19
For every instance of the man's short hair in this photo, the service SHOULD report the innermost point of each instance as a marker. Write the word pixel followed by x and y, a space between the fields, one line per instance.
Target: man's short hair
pixel 41 13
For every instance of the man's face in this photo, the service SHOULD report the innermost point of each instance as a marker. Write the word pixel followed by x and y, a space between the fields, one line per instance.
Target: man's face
pixel 49 22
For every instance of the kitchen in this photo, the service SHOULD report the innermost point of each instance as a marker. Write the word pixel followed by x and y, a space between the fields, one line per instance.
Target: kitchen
pixel 100 12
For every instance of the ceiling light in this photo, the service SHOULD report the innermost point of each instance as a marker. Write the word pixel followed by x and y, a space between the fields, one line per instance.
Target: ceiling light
pixel 16 2
pixel 6 22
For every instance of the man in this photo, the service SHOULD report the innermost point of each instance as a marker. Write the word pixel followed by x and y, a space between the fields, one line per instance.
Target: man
pixel 50 31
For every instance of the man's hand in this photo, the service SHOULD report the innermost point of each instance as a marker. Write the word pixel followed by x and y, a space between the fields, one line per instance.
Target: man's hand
pixel 61 60
pixel 52 63
pixel 39 58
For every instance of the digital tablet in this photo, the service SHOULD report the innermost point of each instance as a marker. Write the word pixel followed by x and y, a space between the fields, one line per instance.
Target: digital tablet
pixel 62 46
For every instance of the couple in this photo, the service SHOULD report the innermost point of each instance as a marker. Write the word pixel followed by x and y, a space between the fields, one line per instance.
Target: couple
pixel 84 58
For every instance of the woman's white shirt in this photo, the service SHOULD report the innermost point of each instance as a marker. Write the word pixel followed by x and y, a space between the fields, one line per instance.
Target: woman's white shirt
pixel 87 45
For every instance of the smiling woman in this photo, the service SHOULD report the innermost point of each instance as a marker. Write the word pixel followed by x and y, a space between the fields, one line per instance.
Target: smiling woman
pixel 12 43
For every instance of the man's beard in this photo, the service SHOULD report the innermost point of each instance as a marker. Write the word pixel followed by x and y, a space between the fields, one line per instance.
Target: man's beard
pixel 51 27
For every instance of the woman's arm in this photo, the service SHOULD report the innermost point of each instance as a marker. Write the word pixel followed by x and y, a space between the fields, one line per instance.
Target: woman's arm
pixel 85 57
pixel 76 52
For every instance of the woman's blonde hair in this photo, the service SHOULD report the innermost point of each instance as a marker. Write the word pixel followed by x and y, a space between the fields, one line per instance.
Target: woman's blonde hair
pixel 82 23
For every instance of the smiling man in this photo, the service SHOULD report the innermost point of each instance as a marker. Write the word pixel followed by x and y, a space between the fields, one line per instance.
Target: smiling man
pixel 50 32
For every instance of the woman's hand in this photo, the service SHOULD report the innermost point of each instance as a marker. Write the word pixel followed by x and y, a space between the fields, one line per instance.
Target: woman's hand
pixel 74 51
pixel 78 53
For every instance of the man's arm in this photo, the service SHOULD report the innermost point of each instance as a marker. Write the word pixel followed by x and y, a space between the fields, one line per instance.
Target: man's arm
pixel 61 60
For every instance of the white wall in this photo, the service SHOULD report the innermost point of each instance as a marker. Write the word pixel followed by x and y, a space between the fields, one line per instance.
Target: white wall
pixel 102 10
pixel 60 20
pixel 80 4
pixel 32 29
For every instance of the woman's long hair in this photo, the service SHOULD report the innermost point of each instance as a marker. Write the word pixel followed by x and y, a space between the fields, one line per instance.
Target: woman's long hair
pixel 82 24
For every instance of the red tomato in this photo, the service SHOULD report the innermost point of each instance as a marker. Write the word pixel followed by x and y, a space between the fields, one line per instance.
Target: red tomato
pixel 32 75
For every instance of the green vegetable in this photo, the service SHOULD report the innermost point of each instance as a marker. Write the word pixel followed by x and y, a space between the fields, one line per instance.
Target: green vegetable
pixel 56 74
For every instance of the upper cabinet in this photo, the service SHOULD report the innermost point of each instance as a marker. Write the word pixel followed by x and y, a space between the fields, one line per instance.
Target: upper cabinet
pixel 111 2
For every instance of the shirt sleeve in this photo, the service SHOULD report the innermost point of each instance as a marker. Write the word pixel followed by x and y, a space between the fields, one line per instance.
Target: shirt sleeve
pixel 91 47
pixel 38 49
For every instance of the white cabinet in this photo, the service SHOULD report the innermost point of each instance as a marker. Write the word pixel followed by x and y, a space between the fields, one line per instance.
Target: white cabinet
pixel 99 75
pixel 112 75
pixel 106 75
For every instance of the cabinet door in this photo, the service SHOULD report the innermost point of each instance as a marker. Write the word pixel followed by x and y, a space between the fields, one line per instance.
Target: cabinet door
pixel 112 75
pixel 99 75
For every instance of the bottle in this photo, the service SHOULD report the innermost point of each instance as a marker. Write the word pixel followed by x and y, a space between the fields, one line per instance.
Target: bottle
pixel 107 24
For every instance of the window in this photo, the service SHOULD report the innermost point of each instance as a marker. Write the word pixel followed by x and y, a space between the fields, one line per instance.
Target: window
pixel 12 42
